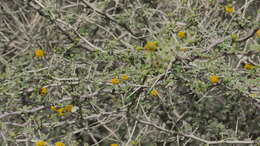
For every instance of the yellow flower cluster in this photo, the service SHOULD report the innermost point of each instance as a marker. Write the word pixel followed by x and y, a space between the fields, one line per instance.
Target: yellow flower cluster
pixel 40 143
pixel 150 46
pixel 116 81
pixel 154 92
pixel 248 66
pixel 124 77
pixel 59 144
pixel 38 52
pixel 258 33
pixel 181 35
pixel 42 91
pixel 229 9
pixel 61 111
pixel 113 144
pixel 43 143
pixel 214 79
pixel 68 108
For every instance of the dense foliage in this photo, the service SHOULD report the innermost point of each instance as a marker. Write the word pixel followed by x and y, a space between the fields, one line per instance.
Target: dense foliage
pixel 129 72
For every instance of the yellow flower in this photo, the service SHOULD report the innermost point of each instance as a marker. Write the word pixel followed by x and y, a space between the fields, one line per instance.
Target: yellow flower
pixel 53 108
pixel 229 9
pixel 113 144
pixel 42 91
pixel 154 92
pixel 115 81
pixel 124 77
pixel 40 143
pixel 248 66
pixel 61 111
pixel 59 144
pixel 214 79
pixel 258 33
pixel 69 107
pixel 38 52
pixel 181 35
pixel 150 46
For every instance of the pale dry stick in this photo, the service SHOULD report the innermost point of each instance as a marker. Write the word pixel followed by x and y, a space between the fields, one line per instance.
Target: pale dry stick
pixel 18 49
pixel 145 115
pixel 232 142
pixel 242 57
pixel 4 138
pixel 23 140
pixel 106 122
pixel 190 138
pixel 88 128
pixel 41 107
pixel 72 5
pixel 108 129
pixel 40 4
pixel 57 124
pixel 89 72
pixel 21 112
pixel 169 67
pixel 5 62
pixel 19 23
pixel 252 62
pixel 236 131
pixel 21 51
pixel 143 131
pixel 178 140
pixel 79 35
pixel 21 30
pixel 51 63
pixel 202 24
pixel 15 33
pixel 137 89
pixel 133 13
pixel 164 16
pixel 34 21
pixel 203 96
pixel 56 21
pixel 214 44
pixel 180 117
pixel 65 79
pixel 92 137
pixel 245 6
pixel 14 49
pixel 138 101
pixel 17 124
pixel 240 60
pixel 100 26
pixel 38 70
pixel 249 35
pixel 109 17
pixel 136 85
pixel 157 80
pixel 103 139
pixel 61 84
pixel 198 138
pixel 50 18
pixel 228 25
pixel 6 39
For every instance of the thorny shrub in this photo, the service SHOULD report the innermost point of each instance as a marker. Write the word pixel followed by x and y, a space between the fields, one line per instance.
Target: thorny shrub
pixel 129 72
